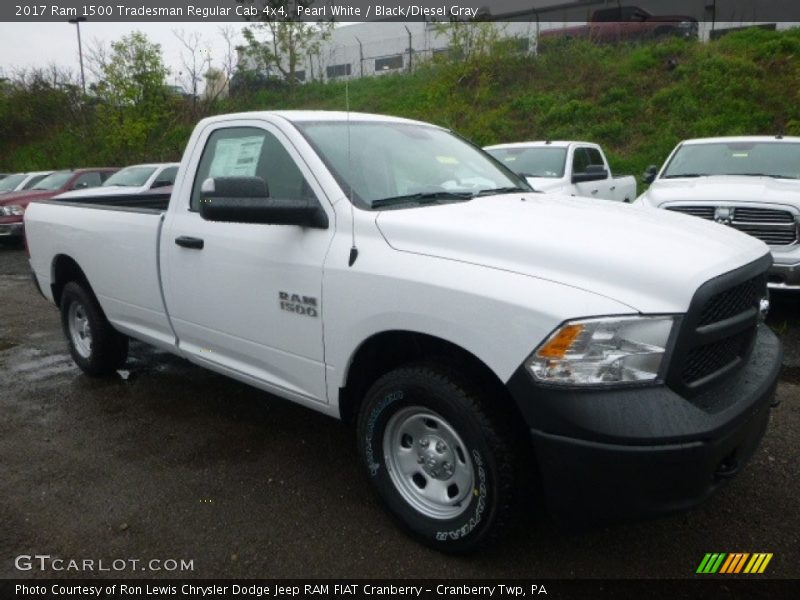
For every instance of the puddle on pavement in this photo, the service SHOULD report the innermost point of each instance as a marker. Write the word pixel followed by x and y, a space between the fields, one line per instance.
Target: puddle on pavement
pixel 790 375
pixel 7 344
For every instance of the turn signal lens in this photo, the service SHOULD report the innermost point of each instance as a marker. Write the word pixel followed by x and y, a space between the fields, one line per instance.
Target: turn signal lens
pixel 603 351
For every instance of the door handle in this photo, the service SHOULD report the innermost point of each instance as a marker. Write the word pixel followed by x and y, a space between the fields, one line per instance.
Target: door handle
pixel 613 187
pixel 189 242
pixel 594 191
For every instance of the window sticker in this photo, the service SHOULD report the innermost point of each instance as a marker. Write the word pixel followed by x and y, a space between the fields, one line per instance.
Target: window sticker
pixel 447 160
pixel 236 157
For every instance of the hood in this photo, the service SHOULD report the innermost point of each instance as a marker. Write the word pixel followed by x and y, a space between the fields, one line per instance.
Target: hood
pixel 26 196
pixel 651 260
pixel 725 188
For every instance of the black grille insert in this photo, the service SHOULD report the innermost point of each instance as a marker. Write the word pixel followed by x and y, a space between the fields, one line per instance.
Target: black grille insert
pixel 708 359
pixel 733 301
pixel 719 328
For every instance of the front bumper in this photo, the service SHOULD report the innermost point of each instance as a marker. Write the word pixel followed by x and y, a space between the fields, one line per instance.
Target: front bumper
pixel 11 230
pixel 784 276
pixel 607 454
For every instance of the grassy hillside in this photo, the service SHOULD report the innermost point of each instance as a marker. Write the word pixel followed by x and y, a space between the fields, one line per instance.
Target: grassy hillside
pixel 637 100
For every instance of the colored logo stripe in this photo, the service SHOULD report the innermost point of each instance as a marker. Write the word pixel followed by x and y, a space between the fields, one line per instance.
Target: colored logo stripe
pixel 735 562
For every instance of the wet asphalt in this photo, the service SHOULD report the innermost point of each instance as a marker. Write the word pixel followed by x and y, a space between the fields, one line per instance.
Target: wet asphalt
pixel 169 461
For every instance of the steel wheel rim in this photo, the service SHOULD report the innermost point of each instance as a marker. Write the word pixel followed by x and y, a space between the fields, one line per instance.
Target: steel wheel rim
pixel 428 463
pixel 80 332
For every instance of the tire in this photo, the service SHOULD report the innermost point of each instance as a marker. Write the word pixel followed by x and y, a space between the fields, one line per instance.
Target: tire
pixel 432 413
pixel 96 347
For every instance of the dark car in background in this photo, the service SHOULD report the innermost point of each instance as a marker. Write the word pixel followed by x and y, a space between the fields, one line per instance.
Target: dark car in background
pixel 13 205
pixel 621 23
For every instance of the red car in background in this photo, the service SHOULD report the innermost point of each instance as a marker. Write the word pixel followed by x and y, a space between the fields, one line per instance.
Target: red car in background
pixel 13 205
pixel 621 23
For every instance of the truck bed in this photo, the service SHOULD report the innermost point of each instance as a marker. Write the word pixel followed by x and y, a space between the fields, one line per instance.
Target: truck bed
pixel 137 202
pixel 115 241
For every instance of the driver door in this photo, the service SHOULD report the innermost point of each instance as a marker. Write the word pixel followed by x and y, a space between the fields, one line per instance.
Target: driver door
pixel 226 290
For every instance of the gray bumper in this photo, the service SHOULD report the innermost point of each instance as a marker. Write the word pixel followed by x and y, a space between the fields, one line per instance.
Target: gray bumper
pixel 10 230
pixel 784 274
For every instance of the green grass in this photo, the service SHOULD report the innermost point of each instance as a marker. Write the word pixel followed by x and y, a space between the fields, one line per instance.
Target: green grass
pixel 638 101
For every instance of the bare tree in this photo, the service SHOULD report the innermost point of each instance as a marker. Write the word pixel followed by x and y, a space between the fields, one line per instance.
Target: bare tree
pixel 97 56
pixel 195 60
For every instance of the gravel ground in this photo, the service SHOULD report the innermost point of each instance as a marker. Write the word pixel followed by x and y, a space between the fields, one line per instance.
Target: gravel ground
pixel 169 461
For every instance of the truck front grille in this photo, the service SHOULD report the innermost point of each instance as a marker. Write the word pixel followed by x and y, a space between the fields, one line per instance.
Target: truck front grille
pixel 772 226
pixel 719 328
pixel 733 301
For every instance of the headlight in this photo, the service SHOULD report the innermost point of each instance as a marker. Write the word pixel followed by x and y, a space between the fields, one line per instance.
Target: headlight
pixel 12 210
pixel 603 351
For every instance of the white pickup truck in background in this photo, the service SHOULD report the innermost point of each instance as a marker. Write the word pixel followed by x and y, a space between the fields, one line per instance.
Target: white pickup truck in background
pixel 572 168
pixel 475 332
pixel 135 179
pixel 749 183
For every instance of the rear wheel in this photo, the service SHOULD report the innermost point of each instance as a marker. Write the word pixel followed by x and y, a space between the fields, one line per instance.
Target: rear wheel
pixel 438 452
pixel 96 347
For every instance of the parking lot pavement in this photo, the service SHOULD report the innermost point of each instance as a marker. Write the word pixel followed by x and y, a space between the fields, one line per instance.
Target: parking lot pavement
pixel 169 461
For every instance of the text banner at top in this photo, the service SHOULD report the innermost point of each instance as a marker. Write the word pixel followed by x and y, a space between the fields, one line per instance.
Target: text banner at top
pixel 731 11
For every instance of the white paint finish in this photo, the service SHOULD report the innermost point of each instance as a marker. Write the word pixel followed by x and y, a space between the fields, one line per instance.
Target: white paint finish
pixel 730 190
pixel 494 275
pixel 651 262
pixel 117 252
pixel 224 299
pixel 619 189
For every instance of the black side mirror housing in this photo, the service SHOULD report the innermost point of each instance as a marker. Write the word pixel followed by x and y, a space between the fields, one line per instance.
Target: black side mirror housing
pixel 247 200
pixel 592 173
pixel 650 174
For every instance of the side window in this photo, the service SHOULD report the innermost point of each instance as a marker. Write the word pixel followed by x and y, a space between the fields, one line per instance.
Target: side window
pixel 595 158
pixel 165 178
pixel 87 180
pixel 33 181
pixel 580 160
pixel 249 151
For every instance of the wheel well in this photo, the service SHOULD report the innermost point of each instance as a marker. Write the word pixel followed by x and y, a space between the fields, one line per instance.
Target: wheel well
pixel 389 350
pixel 65 269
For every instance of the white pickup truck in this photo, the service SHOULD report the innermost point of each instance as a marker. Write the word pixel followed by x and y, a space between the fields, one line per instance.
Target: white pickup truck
pixel 749 183
pixel 572 168
pixel 135 179
pixel 386 272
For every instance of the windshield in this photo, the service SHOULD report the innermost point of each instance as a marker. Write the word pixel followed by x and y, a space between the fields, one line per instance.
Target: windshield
pixel 8 184
pixel 130 177
pixel 768 159
pixel 533 162
pixel 54 181
pixel 401 163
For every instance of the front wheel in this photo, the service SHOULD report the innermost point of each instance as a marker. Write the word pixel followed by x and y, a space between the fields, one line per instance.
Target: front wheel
pixel 96 347
pixel 438 452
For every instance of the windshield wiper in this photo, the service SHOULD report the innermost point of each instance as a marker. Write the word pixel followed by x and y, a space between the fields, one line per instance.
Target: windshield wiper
pixel 501 190
pixel 763 175
pixel 421 198
pixel 685 175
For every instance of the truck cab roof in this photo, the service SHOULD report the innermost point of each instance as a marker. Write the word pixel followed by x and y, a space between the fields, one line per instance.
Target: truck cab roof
pixel 550 143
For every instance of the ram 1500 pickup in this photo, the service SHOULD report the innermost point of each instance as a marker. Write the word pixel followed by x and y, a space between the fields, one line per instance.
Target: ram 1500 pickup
pixel 388 273
pixel 748 183
pixel 574 168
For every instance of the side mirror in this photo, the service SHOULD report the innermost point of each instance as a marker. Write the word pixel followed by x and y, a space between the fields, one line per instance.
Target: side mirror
pixel 160 184
pixel 247 200
pixel 592 173
pixel 650 174
pixel 81 185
